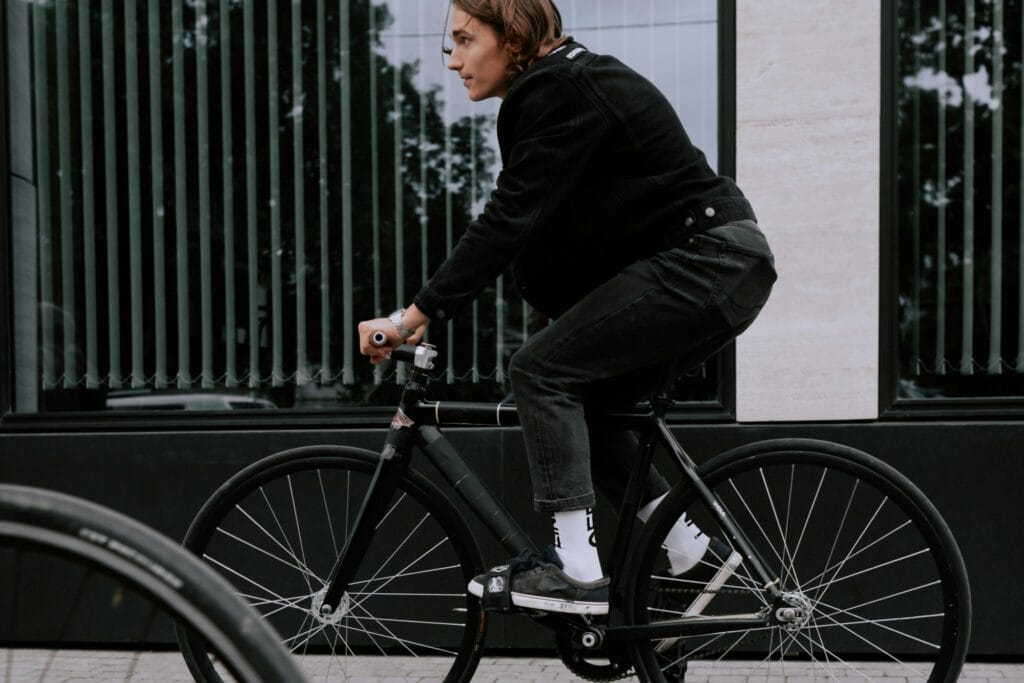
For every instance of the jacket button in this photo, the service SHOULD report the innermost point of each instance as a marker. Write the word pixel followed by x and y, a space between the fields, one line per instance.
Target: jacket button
pixel 689 221
pixel 709 212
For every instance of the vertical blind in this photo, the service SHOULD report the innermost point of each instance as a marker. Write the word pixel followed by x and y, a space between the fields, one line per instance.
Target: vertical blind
pixel 961 206
pixel 225 187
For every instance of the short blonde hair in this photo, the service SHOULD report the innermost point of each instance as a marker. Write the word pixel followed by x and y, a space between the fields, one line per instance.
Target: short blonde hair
pixel 523 26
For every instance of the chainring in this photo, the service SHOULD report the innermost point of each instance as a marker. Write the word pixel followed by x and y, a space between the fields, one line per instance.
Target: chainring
pixel 601 664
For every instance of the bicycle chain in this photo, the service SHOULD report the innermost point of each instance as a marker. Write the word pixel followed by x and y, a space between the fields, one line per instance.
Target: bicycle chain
pixel 578 659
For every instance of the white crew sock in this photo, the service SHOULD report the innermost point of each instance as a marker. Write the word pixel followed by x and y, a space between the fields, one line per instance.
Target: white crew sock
pixel 576 544
pixel 685 544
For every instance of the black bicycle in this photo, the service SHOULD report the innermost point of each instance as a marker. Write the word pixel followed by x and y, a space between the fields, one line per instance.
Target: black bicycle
pixel 348 552
pixel 69 565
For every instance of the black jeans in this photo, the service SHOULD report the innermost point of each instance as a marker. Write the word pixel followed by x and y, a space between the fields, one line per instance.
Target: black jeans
pixel 613 347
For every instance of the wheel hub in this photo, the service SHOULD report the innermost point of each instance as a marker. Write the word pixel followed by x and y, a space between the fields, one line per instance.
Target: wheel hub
pixel 324 614
pixel 794 612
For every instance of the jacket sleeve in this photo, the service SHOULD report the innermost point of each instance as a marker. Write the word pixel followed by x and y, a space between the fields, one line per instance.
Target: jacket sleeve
pixel 554 131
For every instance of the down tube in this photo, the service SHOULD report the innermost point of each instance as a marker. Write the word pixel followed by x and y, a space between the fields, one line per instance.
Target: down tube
pixel 488 509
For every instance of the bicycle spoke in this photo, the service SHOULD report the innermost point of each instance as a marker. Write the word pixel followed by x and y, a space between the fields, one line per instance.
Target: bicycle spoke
pixel 399 547
pixel 401 575
pixel 242 576
pixel 882 621
pixel 828 653
pixel 851 562
pixel 757 522
pixel 295 517
pixel 327 513
pixel 281 605
pixel 856 543
pixel 271 555
pixel 298 563
pixel 810 513
pixel 401 572
pixel 839 579
pixel 788 565
pixel 862 550
pixel 306 635
pixel 384 626
pixel 284 536
pixel 296 512
pixel 394 506
pixel 393 594
pixel 404 642
pixel 891 596
pixel 879 649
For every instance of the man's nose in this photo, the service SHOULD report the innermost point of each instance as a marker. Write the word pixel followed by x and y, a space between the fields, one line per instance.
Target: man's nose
pixel 454 64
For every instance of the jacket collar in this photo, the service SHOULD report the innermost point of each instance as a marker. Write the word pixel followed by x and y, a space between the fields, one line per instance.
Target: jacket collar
pixel 568 52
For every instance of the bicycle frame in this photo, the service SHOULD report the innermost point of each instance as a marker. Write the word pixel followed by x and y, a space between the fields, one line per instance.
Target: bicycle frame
pixel 416 424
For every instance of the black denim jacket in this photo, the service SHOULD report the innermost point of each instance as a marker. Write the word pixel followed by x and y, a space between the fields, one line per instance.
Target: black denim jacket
pixel 597 173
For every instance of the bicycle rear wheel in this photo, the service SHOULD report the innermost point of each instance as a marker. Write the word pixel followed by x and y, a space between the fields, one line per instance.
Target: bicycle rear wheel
pixel 869 571
pixel 274 531
pixel 77 573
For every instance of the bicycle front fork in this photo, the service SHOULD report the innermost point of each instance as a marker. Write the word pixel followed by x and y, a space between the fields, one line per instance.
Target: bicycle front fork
pixel 394 461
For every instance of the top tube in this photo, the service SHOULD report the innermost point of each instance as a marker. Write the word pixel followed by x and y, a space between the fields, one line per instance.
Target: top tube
pixel 480 414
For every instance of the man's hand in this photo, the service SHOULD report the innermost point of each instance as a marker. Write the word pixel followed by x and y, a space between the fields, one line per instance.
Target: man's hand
pixel 413 320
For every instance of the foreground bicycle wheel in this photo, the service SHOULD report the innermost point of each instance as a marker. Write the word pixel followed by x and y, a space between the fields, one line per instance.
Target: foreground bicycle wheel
pixel 75 572
pixel 275 530
pixel 869 568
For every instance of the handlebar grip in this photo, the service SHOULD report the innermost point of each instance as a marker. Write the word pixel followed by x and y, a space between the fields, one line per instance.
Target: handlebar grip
pixel 421 356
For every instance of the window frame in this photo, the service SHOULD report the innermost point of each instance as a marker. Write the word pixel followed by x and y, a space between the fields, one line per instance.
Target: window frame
pixel 6 289
pixel 890 405
pixel 720 409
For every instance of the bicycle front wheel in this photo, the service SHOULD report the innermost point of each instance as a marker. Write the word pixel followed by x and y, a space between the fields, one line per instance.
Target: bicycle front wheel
pixel 79 573
pixel 870 576
pixel 275 530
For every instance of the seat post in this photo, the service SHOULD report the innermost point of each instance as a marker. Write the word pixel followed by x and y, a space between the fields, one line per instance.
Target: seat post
pixel 662 400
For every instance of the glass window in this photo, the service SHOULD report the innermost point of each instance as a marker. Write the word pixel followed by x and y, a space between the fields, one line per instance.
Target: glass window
pixel 220 189
pixel 960 268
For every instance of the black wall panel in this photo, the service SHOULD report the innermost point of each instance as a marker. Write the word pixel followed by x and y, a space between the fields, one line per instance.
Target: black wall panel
pixel 972 471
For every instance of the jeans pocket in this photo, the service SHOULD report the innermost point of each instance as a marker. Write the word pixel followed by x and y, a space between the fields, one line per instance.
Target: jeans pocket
pixel 745 284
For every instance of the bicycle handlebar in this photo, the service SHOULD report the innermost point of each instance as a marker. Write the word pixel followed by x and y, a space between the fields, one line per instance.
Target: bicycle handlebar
pixel 422 356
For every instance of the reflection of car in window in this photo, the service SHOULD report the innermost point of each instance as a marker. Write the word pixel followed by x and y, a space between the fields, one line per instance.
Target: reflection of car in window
pixel 182 400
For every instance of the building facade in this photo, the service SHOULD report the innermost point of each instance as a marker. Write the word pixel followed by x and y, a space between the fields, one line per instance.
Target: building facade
pixel 202 198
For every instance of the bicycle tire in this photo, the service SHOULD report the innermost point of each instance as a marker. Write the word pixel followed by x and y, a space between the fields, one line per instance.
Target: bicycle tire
pixel 241 531
pixel 87 535
pixel 855 545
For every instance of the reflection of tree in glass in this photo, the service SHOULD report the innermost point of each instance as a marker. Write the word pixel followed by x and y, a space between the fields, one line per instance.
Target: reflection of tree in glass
pixel 959 165
pixel 436 165
pixel 437 169
pixel 244 172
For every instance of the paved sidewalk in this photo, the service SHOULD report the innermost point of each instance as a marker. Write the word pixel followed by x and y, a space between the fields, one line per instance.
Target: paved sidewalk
pixel 88 666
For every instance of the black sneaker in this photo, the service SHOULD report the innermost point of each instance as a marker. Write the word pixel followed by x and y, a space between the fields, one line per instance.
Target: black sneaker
pixel 537 582
pixel 703 581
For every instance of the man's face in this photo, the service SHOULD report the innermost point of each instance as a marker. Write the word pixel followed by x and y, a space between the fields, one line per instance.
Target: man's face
pixel 478 56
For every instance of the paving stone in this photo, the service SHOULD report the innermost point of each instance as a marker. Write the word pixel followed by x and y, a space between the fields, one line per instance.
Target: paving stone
pixel 86 666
